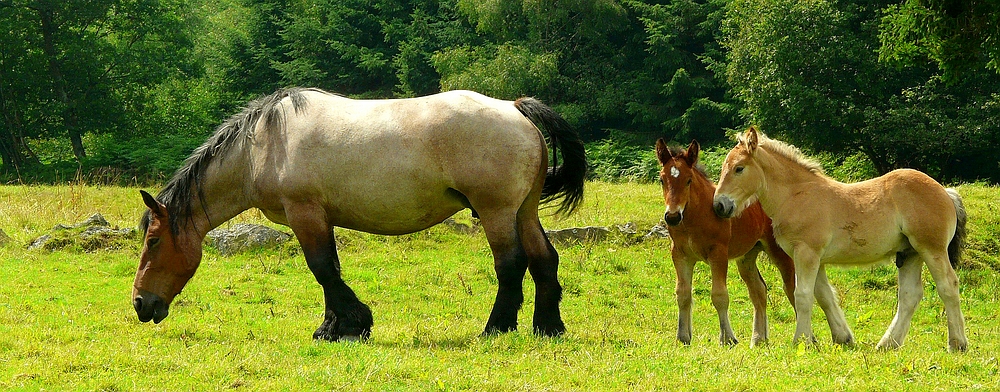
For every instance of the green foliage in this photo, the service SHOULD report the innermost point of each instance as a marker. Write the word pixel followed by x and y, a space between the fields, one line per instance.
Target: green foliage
pixel 842 100
pixel 961 37
pixel 509 72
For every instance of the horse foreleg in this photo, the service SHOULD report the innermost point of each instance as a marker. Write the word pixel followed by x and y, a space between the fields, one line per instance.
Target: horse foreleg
pixel 345 317
pixel 910 291
pixel 827 298
pixel 510 263
pixel 685 272
pixel 719 263
pixel 947 287
pixel 806 269
pixel 747 266
pixel 543 263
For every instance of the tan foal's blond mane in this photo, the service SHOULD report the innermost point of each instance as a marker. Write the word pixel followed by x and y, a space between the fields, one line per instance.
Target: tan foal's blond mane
pixel 786 150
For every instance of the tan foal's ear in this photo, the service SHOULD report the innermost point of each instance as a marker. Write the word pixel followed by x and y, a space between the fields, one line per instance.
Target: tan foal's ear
pixel 751 139
pixel 662 152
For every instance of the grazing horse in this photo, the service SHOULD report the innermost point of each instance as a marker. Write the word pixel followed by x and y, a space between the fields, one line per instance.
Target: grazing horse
pixel 698 234
pixel 904 215
pixel 313 161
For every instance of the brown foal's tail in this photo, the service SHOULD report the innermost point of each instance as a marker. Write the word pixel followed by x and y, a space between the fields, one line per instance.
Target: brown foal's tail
pixel 562 181
pixel 958 241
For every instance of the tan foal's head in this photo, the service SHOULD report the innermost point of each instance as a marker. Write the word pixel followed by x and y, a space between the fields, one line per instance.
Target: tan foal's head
pixel 741 178
pixel 676 176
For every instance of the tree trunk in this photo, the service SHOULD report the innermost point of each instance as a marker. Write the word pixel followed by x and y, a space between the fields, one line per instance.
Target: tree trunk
pixel 70 121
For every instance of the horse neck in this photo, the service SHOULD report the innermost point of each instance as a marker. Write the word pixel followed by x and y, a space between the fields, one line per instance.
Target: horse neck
pixel 225 186
pixel 702 193
pixel 782 178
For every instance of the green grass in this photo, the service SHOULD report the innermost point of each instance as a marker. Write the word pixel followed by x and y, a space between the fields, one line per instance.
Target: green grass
pixel 245 322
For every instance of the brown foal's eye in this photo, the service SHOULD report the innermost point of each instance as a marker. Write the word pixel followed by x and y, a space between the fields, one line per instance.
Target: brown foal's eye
pixel 152 241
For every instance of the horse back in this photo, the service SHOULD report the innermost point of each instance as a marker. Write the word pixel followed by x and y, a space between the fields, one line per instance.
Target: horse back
pixel 397 166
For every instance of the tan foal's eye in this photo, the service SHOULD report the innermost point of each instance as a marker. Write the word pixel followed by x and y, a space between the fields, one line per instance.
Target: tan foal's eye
pixel 739 169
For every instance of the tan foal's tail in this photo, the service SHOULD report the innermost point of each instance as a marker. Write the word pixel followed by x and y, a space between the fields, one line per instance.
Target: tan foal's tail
pixel 958 241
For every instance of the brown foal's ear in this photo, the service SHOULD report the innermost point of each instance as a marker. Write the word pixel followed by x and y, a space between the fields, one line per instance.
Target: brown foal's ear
pixel 751 139
pixel 156 207
pixel 662 152
pixel 692 152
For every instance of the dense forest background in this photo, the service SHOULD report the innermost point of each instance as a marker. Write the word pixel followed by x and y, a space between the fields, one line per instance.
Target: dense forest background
pixel 123 90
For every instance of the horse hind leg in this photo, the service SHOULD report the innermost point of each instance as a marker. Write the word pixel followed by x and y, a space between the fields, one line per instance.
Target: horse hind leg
pixel 947 287
pixel 910 292
pixel 510 263
pixel 345 317
pixel 543 264
pixel 747 267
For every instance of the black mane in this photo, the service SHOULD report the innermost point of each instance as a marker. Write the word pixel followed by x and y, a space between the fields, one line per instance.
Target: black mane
pixel 186 183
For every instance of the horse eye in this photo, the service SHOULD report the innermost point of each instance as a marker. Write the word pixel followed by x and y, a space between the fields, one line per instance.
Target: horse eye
pixel 152 242
pixel 739 169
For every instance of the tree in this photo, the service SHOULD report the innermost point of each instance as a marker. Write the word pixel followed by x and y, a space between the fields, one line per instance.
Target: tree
pixel 960 36
pixel 98 58
pixel 808 72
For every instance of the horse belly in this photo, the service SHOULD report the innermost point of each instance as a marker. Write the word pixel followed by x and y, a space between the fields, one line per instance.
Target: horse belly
pixel 857 249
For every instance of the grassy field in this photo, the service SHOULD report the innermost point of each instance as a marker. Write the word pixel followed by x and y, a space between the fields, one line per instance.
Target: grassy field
pixel 245 322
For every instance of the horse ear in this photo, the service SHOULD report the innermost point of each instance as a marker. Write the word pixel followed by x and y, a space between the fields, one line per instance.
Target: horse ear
pixel 156 207
pixel 752 139
pixel 692 152
pixel 662 152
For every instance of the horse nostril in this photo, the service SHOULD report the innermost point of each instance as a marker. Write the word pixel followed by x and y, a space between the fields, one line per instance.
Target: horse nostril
pixel 137 304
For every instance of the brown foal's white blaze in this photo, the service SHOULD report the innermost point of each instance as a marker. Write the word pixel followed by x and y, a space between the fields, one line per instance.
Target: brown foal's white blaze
pixel 904 215
pixel 676 177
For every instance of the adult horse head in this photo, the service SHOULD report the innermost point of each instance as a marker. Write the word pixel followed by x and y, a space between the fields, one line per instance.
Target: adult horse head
pixel 168 261
pixel 309 159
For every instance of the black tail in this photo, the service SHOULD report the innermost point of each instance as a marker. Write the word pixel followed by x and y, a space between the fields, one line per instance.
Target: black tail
pixel 562 181
pixel 958 241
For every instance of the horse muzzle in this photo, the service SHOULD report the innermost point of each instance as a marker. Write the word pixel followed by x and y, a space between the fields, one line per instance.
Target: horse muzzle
pixel 724 207
pixel 149 306
pixel 673 218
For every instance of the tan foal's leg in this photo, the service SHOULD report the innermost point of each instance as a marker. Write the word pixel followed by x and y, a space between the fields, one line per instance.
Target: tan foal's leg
pixel 910 291
pixel 947 287
pixel 806 270
pixel 827 298
pixel 747 266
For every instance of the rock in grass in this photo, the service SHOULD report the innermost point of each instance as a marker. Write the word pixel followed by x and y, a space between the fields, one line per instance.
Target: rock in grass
pixel 4 238
pixel 575 235
pixel 90 235
pixel 242 237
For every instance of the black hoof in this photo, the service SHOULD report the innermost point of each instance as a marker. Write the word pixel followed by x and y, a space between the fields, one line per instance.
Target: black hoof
pixel 498 329
pixel 355 325
pixel 556 329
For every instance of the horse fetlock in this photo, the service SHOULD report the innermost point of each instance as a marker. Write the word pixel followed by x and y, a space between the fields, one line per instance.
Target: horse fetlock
pixel 958 345
pixel 728 339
